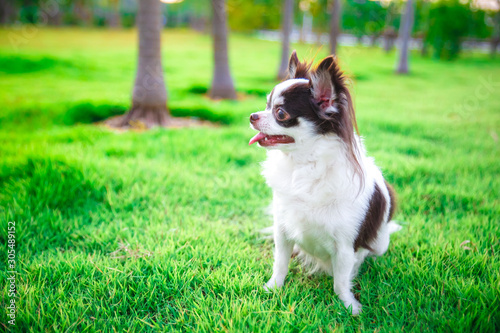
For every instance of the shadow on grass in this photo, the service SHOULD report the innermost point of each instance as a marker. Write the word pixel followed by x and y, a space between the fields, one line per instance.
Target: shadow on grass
pixel 36 116
pixel 198 90
pixel 51 202
pixel 203 113
pixel 88 113
pixel 92 112
pixel 25 64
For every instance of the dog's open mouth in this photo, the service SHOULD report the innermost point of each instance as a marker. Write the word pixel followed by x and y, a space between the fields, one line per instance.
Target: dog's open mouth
pixel 266 140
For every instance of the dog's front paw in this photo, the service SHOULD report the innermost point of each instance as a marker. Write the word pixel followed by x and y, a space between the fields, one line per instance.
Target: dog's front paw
pixel 272 285
pixel 267 289
pixel 354 306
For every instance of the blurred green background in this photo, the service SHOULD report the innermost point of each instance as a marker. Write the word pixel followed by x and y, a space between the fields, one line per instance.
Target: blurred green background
pixel 441 28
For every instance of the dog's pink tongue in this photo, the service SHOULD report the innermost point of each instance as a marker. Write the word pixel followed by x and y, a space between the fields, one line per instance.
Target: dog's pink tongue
pixel 256 138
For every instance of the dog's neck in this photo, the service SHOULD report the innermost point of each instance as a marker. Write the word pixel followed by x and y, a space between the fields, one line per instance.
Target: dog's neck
pixel 322 161
pixel 319 148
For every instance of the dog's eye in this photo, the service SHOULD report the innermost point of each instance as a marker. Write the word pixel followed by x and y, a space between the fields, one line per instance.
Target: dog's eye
pixel 282 115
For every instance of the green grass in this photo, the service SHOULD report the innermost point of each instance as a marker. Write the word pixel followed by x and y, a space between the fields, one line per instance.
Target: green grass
pixel 157 230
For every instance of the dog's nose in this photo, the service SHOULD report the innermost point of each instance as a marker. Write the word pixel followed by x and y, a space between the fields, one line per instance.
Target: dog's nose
pixel 254 117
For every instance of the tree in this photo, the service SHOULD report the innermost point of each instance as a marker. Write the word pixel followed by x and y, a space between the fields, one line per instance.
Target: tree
pixel 222 83
pixel 389 33
pixel 495 37
pixel 405 29
pixel 7 12
pixel 286 28
pixel 248 16
pixel 449 22
pixel 82 10
pixel 113 13
pixel 149 97
pixel 363 18
pixel 335 17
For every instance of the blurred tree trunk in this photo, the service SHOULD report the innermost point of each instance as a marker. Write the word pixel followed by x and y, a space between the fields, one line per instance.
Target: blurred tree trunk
pixel 335 16
pixel 198 23
pixel 424 46
pixel 113 16
pixel 199 13
pixel 495 41
pixel 495 37
pixel 424 27
pixel 405 29
pixel 307 24
pixel 7 12
pixel 52 12
pixel 390 36
pixel 149 97
pixel 222 83
pixel 286 28
pixel 83 12
pixel 389 33
pixel 374 39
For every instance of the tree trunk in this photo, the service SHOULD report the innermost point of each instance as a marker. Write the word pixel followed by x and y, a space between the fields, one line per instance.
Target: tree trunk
pixel 335 17
pixel 405 29
pixel 7 12
pixel 424 47
pixel 222 83
pixel 286 28
pixel 306 31
pixel 198 23
pixel 51 13
pixel 149 97
pixel 113 16
pixel 83 12
pixel 495 41
pixel 390 36
pixel 495 38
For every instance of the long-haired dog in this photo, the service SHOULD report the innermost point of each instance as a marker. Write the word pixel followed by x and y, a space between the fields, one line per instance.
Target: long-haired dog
pixel 331 204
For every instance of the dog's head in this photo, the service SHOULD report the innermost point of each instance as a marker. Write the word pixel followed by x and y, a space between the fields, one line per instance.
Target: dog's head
pixel 310 103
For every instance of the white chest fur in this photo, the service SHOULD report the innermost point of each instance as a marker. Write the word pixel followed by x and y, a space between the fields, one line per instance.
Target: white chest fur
pixel 317 200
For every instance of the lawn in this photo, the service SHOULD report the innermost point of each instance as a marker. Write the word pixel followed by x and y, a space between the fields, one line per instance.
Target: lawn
pixel 158 230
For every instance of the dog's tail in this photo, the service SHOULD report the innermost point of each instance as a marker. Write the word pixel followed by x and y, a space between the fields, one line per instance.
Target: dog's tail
pixel 393 227
pixel 267 233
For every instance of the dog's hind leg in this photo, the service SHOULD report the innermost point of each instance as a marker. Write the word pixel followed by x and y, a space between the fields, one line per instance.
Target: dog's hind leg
pixel 282 252
pixel 343 264
pixel 381 243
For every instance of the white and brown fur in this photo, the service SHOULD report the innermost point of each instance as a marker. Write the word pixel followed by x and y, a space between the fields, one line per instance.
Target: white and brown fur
pixel 330 201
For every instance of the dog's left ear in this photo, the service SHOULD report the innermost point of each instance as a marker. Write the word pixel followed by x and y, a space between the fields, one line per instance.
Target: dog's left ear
pixel 322 88
pixel 293 63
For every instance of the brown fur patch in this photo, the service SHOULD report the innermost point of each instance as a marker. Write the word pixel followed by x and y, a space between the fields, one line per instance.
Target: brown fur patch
pixel 302 71
pixel 393 203
pixel 297 69
pixel 373 219
pixel 346 117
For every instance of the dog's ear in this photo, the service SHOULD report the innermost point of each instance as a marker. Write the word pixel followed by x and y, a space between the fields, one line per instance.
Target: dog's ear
pixel 331 95
pixel 322 88
pixel 297 69
pixel 293 64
